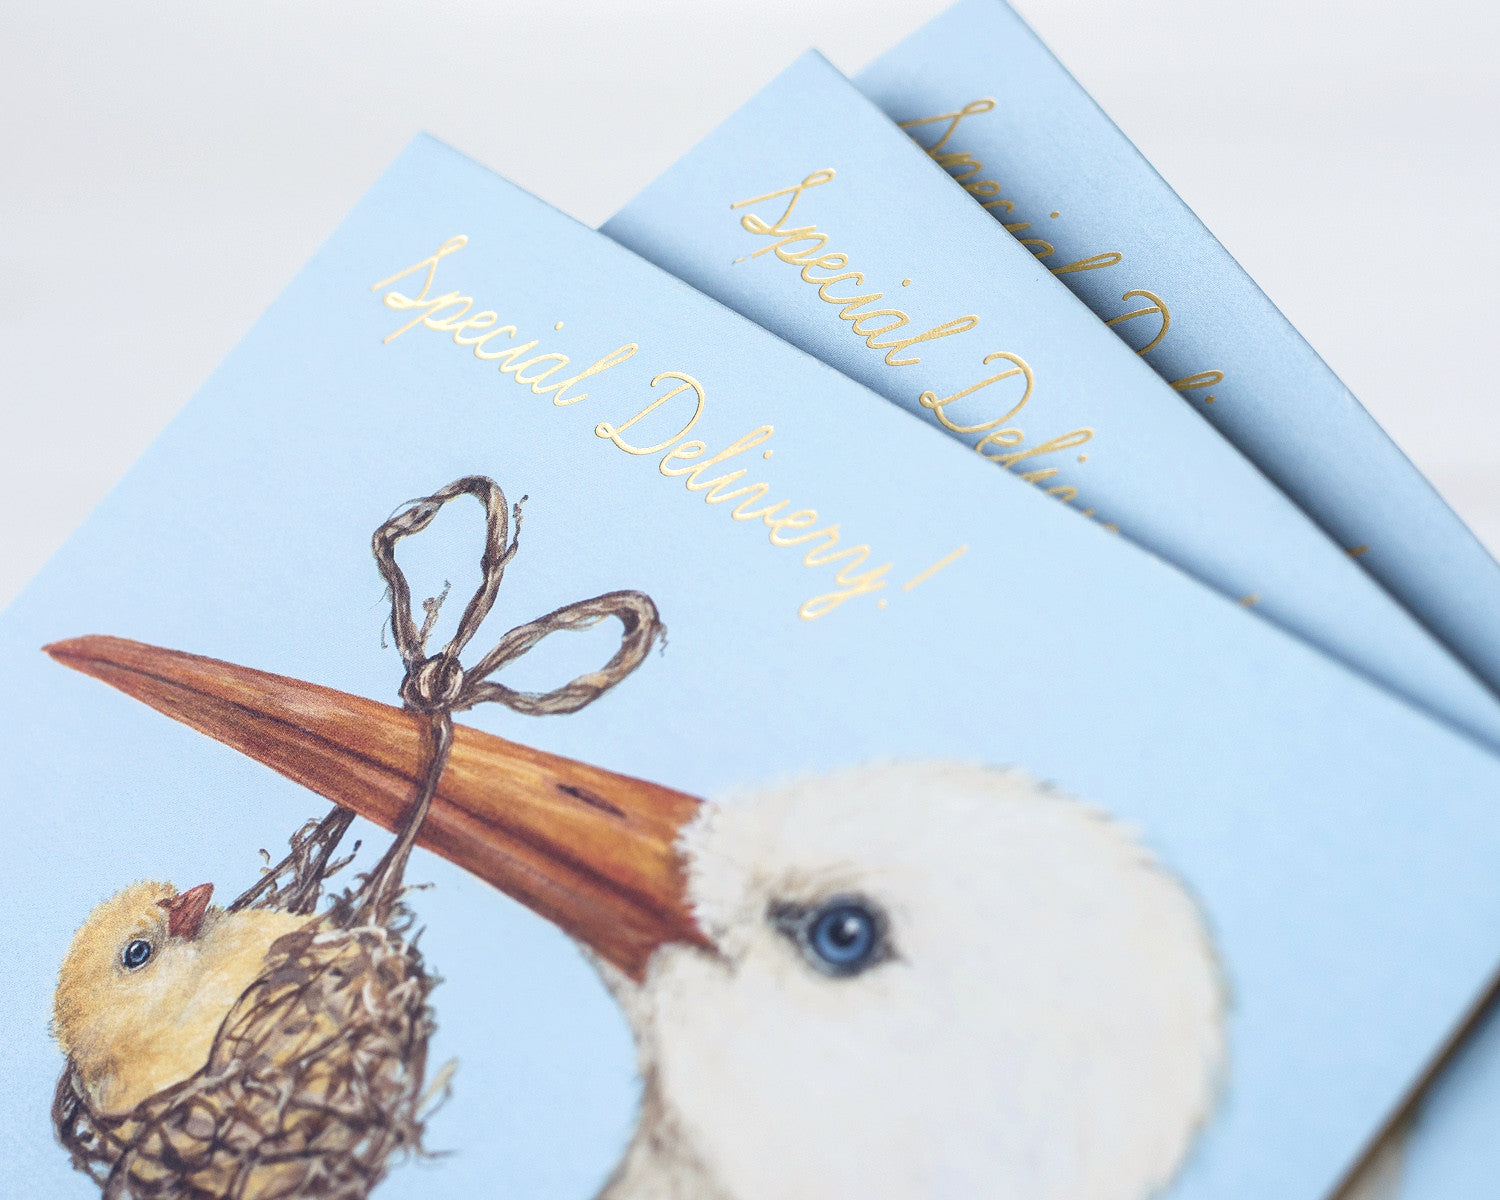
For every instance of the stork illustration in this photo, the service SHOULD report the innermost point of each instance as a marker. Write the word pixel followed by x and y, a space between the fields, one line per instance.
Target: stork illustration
pixel 901 980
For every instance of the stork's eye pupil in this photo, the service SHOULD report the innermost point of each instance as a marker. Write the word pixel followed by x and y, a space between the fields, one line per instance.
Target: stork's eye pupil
pixel 841 937
pixel 843 934
pixel 135 954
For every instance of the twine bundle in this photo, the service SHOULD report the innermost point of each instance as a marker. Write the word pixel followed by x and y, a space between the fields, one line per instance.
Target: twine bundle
pixel 316 1076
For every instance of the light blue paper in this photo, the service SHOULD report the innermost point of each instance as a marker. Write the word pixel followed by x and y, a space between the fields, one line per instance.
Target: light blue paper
pixel 1032 144
pixel 1101 431
pixel 1449 1152
pixel 1046 148
pixel 1340 844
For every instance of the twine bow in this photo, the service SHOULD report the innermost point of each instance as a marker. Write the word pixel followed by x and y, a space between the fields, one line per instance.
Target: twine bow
pixel 439 685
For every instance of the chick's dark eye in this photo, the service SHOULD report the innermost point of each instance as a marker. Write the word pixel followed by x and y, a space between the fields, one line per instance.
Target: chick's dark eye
pixel 842 937
pixel 135 954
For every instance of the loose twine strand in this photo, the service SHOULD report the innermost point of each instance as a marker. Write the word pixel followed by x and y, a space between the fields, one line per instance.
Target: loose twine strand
pixel 438 685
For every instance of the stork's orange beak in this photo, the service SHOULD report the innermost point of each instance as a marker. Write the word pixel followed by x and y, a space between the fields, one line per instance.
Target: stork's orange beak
pixel 185 911
pixel 590 850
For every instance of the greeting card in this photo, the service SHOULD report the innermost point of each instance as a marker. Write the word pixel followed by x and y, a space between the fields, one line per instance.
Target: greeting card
pixel 706 820
pixel 813 215
pixel 982 94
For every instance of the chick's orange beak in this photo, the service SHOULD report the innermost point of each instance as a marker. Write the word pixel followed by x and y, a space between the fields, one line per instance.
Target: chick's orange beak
pixel 592 851
pixel 185 910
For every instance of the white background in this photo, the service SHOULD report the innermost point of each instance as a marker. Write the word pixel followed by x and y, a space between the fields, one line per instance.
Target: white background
pixel 166 168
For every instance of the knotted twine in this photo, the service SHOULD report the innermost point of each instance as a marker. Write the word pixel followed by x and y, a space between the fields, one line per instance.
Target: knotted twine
pixel 315 1077
pixel 438 685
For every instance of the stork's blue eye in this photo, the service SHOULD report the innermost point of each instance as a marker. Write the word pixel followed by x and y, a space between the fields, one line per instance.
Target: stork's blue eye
pixel 135 954
pixel 842 936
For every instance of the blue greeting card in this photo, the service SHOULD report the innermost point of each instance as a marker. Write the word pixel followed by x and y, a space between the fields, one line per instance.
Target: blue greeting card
pixel 810 213
pixel 982 94
pixel 985 97
pixel 728 826
pixel 1446 1149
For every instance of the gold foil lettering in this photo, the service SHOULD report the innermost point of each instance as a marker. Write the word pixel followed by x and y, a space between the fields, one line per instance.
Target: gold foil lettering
pixel 1094 262
pixel 929 400
pixel 755 224
pixel 688 383
pixel 450 313
pixel 1156 307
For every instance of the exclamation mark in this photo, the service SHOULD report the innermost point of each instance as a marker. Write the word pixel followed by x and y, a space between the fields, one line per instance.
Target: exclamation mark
pixel 947 560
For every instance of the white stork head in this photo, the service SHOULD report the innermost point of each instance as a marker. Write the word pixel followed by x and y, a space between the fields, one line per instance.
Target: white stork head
pixel 925 980
pixel 911 980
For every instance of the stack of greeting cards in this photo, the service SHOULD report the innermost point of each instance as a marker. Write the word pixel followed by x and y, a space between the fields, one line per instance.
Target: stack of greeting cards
pixel 888 671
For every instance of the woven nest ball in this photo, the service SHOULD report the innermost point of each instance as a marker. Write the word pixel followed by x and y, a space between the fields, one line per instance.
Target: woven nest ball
pixel 313 1084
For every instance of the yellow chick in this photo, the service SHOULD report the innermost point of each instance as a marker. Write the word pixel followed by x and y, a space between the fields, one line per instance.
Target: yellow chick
pixel 148 980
